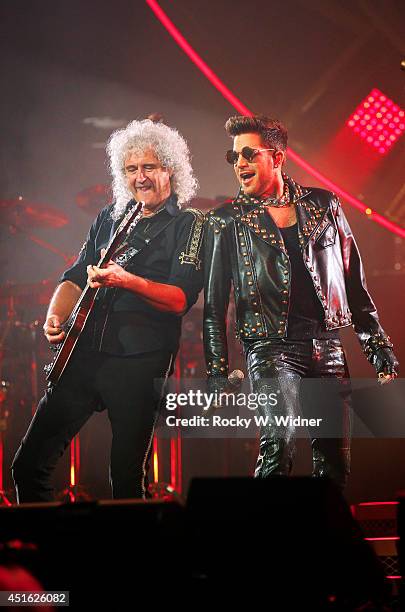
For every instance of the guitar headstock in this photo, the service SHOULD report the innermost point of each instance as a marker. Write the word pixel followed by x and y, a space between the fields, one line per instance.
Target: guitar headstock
pixel 134 214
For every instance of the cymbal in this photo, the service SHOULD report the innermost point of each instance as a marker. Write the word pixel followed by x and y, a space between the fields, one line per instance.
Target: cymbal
pixel 27 293
pixel 92 199
pixel 22 214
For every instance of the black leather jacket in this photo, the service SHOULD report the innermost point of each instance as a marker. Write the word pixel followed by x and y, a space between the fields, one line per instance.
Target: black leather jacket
pixel 244 246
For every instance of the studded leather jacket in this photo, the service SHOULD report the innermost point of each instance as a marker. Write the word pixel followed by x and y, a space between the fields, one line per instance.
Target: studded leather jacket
pixel 244 247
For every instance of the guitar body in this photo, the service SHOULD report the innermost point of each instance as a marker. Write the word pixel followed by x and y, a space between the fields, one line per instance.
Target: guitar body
pixel 74 328
pixel 80 314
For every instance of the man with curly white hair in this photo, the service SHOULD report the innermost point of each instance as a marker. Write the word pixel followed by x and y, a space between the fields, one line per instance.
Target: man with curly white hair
pixel 132 335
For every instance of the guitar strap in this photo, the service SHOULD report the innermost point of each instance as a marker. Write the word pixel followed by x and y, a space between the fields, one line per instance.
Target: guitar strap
pixel 137 241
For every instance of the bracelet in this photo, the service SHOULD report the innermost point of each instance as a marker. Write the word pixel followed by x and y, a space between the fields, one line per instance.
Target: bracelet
pixel 376 342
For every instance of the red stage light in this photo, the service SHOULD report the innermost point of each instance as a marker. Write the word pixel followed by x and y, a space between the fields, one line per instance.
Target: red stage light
pixel 373 114
pixel 243 110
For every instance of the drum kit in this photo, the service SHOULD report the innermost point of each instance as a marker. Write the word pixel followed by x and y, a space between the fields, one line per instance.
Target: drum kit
pixel 23 349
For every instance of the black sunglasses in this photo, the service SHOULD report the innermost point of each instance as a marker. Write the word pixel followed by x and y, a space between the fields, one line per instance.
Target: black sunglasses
pixel 247 153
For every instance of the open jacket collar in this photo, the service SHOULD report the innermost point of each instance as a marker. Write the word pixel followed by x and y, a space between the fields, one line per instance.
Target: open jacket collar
pixel 310 216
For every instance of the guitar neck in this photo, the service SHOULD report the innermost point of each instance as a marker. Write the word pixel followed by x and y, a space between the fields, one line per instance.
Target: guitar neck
pixel 89 293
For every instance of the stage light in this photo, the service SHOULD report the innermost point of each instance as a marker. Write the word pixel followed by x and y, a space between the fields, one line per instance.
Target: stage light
pixel 381 118
pixel 243 110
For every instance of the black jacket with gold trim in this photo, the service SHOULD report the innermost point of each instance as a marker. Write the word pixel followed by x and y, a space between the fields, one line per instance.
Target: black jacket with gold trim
pixel 244 246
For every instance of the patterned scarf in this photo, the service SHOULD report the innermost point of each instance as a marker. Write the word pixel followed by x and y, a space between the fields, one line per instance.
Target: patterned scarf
pixel 291 187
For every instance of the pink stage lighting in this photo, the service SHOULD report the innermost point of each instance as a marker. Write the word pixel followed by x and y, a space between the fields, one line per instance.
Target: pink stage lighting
pixel 379 121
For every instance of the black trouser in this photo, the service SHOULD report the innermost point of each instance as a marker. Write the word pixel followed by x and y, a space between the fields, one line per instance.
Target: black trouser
pixel 279 366
pixel 130 388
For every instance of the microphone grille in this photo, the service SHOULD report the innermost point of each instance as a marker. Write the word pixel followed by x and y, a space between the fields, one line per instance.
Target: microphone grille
pixel 236 375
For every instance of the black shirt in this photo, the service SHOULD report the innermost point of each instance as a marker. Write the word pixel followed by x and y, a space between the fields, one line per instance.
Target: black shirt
pixel 306 315
pixel 122 323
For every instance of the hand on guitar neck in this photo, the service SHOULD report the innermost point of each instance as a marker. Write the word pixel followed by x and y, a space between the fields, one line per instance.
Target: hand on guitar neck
pixel 111 275
pixel 60 308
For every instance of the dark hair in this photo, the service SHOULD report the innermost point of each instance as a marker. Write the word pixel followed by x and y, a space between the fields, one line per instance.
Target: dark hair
pixel 272 131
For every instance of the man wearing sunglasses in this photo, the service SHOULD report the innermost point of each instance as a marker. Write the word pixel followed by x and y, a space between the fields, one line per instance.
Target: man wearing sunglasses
pixel 297 277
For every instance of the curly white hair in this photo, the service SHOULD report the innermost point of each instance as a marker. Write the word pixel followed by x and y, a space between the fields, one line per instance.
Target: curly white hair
pixel 170 148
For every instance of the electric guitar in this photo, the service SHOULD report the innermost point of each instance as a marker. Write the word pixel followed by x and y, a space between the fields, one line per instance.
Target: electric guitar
pixel 75 324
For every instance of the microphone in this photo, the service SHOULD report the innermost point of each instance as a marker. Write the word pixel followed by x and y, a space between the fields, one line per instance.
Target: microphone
pixel 235 379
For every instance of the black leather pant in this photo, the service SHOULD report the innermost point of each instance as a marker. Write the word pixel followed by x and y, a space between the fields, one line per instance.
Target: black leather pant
pixel 279 366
